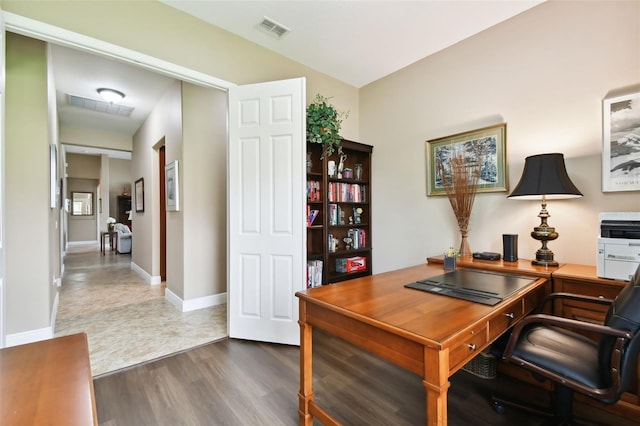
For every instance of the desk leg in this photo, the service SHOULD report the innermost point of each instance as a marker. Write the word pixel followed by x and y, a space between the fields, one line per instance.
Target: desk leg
pixel 436 383
pixel 102 243
pixel 305 397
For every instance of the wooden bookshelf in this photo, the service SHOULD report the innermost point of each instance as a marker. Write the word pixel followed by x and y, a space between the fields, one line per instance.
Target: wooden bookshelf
pixel 340 236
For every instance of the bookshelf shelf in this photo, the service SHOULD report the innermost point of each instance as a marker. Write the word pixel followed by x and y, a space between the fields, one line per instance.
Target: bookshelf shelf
pixel 338 202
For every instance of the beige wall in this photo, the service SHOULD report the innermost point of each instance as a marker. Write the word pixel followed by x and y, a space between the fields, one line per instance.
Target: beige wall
pixel 28 217
pixel 204 187
pixel 83 166
pixel 157 30
pixel 164 125
pixel 95 138
pixel 83 228
pixel 544 75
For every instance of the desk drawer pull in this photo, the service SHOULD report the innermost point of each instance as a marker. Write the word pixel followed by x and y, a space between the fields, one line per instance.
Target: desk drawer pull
pixel 508 315
pixel 472 346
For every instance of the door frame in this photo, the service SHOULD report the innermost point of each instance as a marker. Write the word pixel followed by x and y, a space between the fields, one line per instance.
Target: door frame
pixel 46 32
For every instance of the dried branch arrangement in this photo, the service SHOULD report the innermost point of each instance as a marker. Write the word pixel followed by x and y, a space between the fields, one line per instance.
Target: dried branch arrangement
pixel 459 174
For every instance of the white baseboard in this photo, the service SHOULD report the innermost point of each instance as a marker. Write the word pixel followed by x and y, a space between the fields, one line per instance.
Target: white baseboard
pixel 147 278
pixel 30 336
pixel 81 243
pixel 195 304
pixel 54 311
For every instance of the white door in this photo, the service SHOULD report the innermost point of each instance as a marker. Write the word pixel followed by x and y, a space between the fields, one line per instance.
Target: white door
pixel 2 74
pixel 266 202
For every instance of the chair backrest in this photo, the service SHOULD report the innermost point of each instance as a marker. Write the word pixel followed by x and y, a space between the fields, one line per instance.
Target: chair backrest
pixel 122 228
pixel 624 314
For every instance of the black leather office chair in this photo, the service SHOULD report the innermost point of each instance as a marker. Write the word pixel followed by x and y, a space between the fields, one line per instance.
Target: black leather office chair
pixel 602 370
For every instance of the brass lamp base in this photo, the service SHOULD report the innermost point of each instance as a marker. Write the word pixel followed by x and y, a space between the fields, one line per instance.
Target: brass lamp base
pixel 544 233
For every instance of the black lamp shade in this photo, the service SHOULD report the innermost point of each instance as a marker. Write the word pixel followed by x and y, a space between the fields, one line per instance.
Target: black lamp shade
pixel 545 174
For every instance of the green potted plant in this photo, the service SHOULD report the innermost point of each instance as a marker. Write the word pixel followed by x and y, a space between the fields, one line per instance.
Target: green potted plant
pixel 323 125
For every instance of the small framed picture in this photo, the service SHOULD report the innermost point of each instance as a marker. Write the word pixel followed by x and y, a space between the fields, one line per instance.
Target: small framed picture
pixel 172 186
pixel 139 195
pixel 621 143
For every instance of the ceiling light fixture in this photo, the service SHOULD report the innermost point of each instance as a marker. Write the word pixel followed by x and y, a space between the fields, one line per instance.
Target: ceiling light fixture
pixel 111 95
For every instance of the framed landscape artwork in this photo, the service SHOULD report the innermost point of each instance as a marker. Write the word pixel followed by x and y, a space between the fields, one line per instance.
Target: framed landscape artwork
pixel 491 141
pixel 621 143
pixel 139 195
pixel 172 186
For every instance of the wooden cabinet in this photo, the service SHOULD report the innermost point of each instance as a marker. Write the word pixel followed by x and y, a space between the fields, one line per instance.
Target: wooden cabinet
pixel 582 279
pixel 339 237
pixel 124 207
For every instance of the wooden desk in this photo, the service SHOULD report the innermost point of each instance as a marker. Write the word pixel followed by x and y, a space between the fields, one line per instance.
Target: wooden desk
pixel 428 334
pixel 47 383
pixel 519 267
pixel 113 241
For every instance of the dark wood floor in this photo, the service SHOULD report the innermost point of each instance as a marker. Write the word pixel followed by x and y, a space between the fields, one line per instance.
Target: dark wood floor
pixel 235 382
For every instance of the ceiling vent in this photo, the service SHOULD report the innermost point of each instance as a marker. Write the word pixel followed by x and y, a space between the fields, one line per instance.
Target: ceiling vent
pixel 273 28
pixel 100 106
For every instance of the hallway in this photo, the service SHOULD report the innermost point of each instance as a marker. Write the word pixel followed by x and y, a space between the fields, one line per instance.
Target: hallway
pixel 127 320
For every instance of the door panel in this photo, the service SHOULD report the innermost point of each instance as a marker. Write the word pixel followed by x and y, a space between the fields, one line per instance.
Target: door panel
pixel 267 235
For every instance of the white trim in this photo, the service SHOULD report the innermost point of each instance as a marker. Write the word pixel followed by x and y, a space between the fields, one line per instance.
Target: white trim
pixel 146 276
pixel 30 336
pixel 42 31
pixel 195 304
pixel 81 243
pixel 54 312
pixel 173 298
pixel 204 302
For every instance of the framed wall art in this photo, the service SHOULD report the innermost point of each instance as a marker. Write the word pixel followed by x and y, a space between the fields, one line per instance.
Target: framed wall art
pixel 621 143
pixel 490 141
pixel 172 186
pixel 139 195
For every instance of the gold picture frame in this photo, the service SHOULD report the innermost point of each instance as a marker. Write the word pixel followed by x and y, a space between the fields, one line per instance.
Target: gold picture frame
pixel 494 169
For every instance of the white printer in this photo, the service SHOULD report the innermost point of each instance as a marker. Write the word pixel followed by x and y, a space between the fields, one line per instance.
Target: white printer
pixel 618 245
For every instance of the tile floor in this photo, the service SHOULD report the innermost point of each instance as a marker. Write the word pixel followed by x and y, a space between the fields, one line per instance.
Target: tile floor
pixel 127 321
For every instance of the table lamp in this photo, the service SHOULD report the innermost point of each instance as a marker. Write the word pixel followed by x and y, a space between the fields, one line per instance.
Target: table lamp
pixel 545 177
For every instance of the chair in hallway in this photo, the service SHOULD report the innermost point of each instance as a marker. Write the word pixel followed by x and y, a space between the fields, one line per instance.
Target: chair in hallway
pixel 548 346
pixel 123 234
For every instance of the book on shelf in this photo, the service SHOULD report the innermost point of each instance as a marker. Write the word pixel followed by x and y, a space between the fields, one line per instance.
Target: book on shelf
pixel 314 273
pixel 333 214
pixel 347 192
pixel 313 190
pixel 311 216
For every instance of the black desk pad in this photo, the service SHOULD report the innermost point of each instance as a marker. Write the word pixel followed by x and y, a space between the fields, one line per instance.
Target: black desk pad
pixel 488 288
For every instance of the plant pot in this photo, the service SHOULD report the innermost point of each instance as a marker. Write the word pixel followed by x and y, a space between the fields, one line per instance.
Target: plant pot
pixel 449 263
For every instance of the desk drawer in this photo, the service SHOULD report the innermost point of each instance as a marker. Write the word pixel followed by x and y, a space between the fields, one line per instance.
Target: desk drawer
pixel 596 290
pixel 469 346
pixel 507 317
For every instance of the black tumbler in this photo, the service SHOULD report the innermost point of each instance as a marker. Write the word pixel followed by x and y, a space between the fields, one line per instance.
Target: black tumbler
pixel 510 247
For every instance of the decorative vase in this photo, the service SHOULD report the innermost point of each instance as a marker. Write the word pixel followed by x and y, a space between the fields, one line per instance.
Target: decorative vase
pixel 465 249
pixel 309 162
pixel 110 227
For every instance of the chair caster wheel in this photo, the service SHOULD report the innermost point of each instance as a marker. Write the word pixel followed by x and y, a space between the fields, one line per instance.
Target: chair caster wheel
pixel 499 408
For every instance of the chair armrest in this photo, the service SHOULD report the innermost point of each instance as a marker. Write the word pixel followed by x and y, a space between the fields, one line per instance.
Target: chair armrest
pixel 562 322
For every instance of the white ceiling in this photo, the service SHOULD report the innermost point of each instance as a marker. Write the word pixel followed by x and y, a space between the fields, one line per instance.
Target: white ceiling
pixel 356 41
pixel 81 74
pixel 353 41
